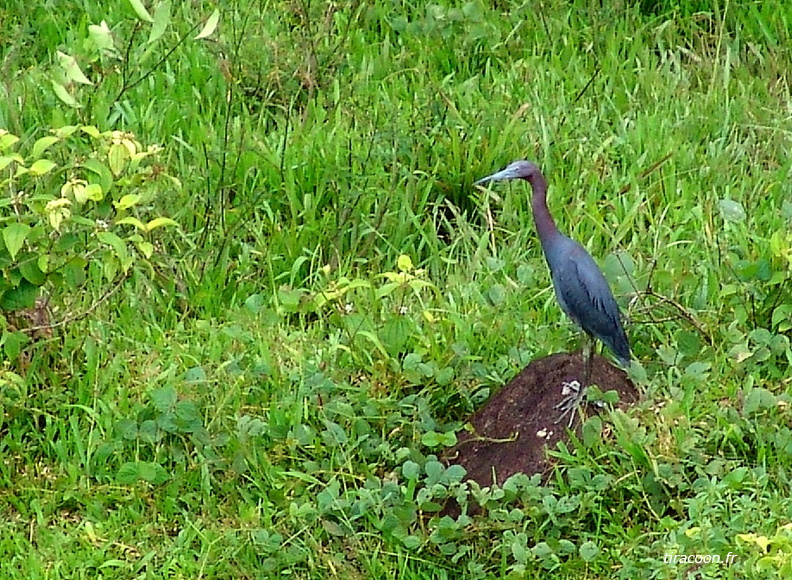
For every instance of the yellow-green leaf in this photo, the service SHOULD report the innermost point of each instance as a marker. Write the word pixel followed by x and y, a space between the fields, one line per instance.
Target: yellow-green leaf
pixel 162 14
pixel 63 94
pixel 41 145
pixel 14 237
pixel 43 262
pixel 140 10
pixel 210 25
pixel 145 248
pixel 93 191
pixel 91 131
pixel 83 191
pixel 102 37
pixel 160 222
pixel 58 211
pixel 42 166
pixel 132 221
pixel 127 201
pixel 6 160
pixel 73 71
pixel 65 132
pixel 7 140
pixel 404 263
pixel 117 157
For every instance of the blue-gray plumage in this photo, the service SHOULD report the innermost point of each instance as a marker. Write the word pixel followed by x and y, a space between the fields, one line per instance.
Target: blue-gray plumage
pixel 580 287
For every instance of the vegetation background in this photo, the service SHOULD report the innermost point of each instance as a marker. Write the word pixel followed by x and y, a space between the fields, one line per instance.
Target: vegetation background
pixel 263 390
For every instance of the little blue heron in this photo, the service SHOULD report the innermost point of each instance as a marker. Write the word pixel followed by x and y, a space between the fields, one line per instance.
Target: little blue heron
pixel 580 287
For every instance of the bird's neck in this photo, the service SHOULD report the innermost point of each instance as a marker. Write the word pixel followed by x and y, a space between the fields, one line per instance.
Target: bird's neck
pixel 545 226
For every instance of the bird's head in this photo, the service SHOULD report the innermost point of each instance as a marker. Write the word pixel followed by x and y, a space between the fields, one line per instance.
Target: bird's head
pixel 516 170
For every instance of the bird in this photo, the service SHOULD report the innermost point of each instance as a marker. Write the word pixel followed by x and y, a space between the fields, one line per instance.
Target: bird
pixel 580 287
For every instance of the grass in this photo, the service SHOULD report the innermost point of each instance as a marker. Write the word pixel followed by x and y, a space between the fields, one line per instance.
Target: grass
pixel 271 400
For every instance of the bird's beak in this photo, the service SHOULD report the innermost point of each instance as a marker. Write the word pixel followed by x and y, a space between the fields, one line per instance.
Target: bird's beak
pixel 508 173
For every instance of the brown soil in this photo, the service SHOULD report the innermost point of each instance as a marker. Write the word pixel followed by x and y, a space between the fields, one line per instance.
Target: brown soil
pixel 515 426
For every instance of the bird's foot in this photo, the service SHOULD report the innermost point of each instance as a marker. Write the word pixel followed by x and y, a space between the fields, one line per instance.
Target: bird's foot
pixel 573 394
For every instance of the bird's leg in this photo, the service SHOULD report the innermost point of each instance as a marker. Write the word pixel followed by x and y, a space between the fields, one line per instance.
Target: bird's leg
pixel 588 359
pixel 574 393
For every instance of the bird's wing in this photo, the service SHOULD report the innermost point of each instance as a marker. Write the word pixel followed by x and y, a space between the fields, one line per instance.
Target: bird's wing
pixel 584 293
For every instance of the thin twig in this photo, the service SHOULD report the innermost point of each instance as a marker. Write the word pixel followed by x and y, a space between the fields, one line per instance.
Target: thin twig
pixel 74 318
pixel 682 310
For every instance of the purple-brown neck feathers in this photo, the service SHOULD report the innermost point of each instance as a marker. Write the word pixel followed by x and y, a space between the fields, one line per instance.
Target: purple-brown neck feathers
pixel 545 225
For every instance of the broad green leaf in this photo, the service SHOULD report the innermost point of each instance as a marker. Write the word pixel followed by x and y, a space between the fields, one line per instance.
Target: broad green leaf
pixel 149 431
pixel 13 343
pixel 445 376
pixel 162 14
pixel 520 551
pixel 195 375
pixel 334 435
pixel 66 242
pixel 588 551
pixel 132 221
pixel 126 201
pixel 32 273
pixel 41 145
pixel 118 245
pixel 525 274
pixel 63 94
pixel 42 166
pixel 102 171
pixel 73 71
pixel 759 399
pixel 188 414
pixel 74 272
pixel 14 237
pixel 22 296
pixel 395 334
pixel 454 473
pixel 164 398
pixel 434 471
pixel 43 262
pixel 411 470
pixel 497 294
pixel 210 25
pixel 140 10
pixel 732 211
pixel 128 473
pixel 782 317
pixel 160 222
pixel 431 439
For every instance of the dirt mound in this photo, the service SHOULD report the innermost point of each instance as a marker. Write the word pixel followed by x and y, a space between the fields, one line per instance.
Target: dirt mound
pixel 518 422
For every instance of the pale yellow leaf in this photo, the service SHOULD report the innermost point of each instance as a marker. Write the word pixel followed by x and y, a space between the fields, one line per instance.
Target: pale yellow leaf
pixel 210 25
